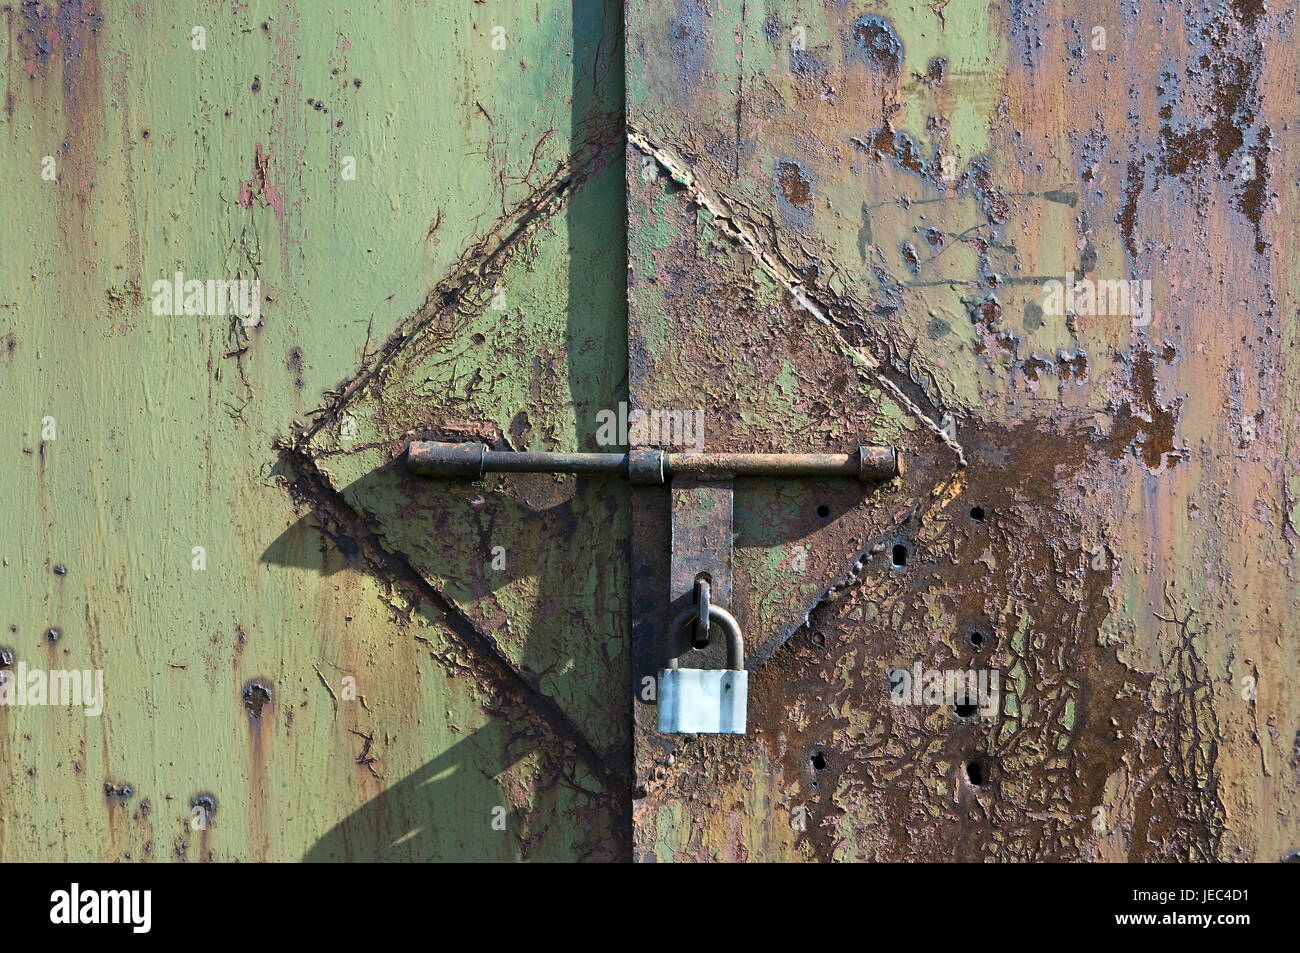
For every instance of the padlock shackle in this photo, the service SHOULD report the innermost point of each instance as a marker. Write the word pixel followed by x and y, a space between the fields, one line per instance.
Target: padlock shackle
pixel 735 641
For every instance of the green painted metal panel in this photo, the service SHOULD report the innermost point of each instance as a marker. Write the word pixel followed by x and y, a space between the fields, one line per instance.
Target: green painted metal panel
pixel 371 165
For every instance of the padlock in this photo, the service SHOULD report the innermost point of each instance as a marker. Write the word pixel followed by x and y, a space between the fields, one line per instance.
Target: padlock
pixel 704 701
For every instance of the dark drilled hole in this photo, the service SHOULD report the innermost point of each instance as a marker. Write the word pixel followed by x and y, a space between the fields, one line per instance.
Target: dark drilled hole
pixel 53 634
pixel 977 514
pixel 119 791
pixel 975 773
pixel 204 804
pixel 966 711
pixel 255 698
pixel 818 760
pixel 900 554
pixel 976 639
pixel 823 511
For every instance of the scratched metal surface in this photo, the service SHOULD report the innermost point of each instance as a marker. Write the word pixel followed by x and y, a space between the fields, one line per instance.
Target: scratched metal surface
pixel 480 697
pixel 826 199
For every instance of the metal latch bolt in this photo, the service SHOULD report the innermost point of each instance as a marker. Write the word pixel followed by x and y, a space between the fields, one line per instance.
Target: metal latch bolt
pixel 431 458
pixel 691 701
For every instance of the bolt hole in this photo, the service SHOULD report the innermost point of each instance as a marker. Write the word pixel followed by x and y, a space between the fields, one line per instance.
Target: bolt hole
pixel 966 711
pixel 256 698
pixel 818 760
pixel 823 511
pixel 204 806
pixel 112 790
pixel 976 639
pixel 900 555
pixel 977 514
pixel 976 774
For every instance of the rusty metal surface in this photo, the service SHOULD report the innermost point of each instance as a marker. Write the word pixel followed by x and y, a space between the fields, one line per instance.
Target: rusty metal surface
pixel 700 561
pixel 843 219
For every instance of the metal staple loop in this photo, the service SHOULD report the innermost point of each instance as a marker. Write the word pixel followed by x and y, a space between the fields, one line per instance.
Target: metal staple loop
pixel 702 593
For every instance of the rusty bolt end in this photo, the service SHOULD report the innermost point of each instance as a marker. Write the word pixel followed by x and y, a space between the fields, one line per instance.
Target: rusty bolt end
pixel 430 458
pixel 646 466
pixel 879 463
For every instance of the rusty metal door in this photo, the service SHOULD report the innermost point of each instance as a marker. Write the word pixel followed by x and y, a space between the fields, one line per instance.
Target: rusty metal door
pixel 305 654
pixel 1042 249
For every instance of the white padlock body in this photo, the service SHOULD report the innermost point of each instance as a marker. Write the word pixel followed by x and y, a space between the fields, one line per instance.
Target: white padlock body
pixel 694 701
